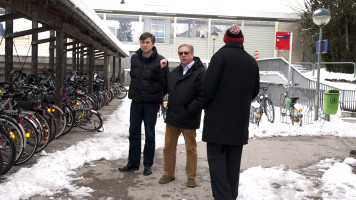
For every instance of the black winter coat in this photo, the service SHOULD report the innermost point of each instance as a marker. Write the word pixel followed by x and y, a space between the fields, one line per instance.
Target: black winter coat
pixel 185 95
pixel 231 83
pixel 148 80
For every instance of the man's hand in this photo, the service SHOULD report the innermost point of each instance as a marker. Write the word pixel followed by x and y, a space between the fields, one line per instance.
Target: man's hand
pixel 163 62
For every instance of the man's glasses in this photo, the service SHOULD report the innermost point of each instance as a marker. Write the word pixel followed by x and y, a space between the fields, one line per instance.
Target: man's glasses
pixel 184 52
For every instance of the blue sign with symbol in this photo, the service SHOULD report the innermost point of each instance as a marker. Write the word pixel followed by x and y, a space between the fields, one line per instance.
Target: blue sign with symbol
pixel 324 46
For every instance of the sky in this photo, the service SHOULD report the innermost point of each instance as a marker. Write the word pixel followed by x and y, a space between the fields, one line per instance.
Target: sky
pixel 337 180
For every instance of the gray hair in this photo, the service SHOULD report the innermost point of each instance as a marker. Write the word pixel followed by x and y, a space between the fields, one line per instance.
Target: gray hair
pixel 191 48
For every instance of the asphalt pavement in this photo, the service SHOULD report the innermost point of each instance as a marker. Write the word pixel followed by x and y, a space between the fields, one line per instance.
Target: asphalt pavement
pixel 109 183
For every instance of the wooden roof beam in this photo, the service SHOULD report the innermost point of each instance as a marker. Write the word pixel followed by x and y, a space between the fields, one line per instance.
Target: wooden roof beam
pixel 11 16
pixel 26 32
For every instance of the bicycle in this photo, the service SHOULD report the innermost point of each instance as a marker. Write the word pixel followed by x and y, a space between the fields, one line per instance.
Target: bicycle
pixel 255 113
pixel 290 109
pixel 262 104
pixel 163 107
pixel 120 91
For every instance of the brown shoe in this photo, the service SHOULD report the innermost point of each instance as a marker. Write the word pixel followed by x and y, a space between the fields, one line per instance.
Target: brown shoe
pixel 166 179
pixel 191 183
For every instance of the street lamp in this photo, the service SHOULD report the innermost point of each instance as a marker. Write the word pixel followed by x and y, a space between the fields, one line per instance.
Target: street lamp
pixel 214 36
pixel 320 17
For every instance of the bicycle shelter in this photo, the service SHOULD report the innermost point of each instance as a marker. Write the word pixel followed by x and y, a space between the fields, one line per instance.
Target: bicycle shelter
pixel 65 19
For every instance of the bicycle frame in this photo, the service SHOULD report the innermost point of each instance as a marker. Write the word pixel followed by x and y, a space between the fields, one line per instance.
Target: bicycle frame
pixel 295 109
pixel 262 104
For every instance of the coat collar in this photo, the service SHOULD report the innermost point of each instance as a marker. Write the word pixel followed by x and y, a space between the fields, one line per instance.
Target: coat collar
pixel 234 44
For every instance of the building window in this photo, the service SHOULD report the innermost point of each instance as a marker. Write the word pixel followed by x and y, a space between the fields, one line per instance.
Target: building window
pixel 157 29
pixel 125 28
pixel 192 28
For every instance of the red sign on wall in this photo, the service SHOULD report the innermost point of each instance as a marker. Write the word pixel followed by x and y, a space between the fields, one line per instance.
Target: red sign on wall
pixel 282 40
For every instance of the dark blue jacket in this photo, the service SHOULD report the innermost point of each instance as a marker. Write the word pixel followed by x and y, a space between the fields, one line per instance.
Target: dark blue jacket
pixel 185 96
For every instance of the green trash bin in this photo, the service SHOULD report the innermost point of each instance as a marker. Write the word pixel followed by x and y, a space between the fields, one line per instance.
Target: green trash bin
pixel 331 101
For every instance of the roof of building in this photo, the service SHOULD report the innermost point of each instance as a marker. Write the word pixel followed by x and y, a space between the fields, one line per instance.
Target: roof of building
pixel 203 11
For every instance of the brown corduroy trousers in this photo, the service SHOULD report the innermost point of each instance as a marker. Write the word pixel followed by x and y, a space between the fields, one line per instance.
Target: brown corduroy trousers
pixel 170 150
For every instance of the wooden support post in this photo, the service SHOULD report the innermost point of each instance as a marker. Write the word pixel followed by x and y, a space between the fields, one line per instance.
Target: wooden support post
pixel 119 75
pixel 81 61
pixel 59 68
pixel 51 51
pixel 64 52
pixel 106 75
pixel 34 57
pixel 113 65
pixel 77 58
pixel 90 68
pixel 9 46
pixel 74 60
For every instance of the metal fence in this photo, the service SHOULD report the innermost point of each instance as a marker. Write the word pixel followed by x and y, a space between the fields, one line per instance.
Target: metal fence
pixel 306 88
pixel 347 98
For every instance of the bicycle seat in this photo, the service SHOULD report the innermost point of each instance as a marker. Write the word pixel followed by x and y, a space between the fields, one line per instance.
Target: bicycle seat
pixel 293 99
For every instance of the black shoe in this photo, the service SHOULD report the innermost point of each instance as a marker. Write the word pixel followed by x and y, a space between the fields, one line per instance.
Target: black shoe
pixel 147 171
pixel 128 168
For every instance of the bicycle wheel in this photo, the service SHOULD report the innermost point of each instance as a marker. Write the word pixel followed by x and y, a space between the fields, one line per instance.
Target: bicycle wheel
pixel 52 125
pixel 257 115
pixel 15 131
pixel 31 140
pixel 300 116
pixel 68 113
pixel 44 134
pixel 283 108
pixel 7 150
pixel 122 92
pixel 60 120
pixel 269 110
pixel 94 123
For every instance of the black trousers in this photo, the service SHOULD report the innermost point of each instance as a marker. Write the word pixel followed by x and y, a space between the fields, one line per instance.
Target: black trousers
pixel 224 165
pixel 146 112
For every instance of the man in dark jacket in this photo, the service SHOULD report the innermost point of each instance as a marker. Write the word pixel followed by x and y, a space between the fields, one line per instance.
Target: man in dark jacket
pixel 231 83
pixel 184 113
pixel 148 84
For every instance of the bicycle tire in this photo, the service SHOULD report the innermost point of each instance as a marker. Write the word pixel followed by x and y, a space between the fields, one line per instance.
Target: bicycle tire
pixel 300 119
pixel 8 152
pixel 94 123
pixel 49 116
pixel 60 120
pixel 283 107
pixel 269 110
pixel 31 140
pixel 122 92
pixel 68 112
pixel 258 116
pixel 45 133
pixel 16 132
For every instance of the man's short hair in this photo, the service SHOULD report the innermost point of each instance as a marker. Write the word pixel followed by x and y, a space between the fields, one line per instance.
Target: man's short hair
pixel 146 35
pixel 191 48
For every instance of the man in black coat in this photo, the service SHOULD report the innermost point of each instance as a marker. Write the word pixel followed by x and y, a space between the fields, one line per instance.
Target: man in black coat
pixel 183 114
pixel 231 83
pixel 148 84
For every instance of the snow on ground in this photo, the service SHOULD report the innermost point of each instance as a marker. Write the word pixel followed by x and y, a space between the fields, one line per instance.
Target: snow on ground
pixel 53 171
pixel 332 75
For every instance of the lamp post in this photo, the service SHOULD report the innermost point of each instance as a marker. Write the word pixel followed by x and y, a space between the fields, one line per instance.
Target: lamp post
pixel 214 36
pixel 320 17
